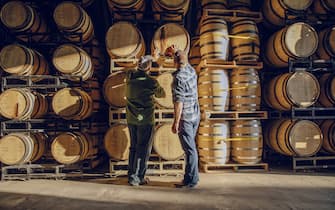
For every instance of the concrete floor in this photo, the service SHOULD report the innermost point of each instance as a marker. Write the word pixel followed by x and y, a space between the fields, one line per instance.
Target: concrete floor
pixel 215 191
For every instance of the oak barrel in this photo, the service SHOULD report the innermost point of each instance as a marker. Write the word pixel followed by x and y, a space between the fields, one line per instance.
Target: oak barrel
pixel 71 147
pixel 328 131
pixel 298 40
pixel 194 55
pixel 71 19
pixel 165 81
pixel 74 61
pixel 214 40
pixel 247 144
pixel 274 11
pixel 94 50
pixel 20 17
pixel 170 10
pixel 213 89
pixel 327 90
pixel 17 59
pixel 326 48
pixel 117 142
pixel 213 142
pixel 74 103
pixel 115 89
pixel 245 92
pixel 122 9
pixel 167 144
pixel 22 104
pixel 295 137
pixel 214 4
pixel 324 6
pixel 240 5
pixel 299 89
pixel 244 41
pixel 20 148
pixel 124 40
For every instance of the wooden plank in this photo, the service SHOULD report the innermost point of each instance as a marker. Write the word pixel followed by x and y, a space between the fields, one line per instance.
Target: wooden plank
pixel 234 15
pixel 222 64
pixel 233 115
pixel 236 167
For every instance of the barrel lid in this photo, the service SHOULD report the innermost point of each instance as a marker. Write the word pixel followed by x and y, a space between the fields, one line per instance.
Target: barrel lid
pixel 67 102
pixel 165 80
pixel 66 148
pixel 115 89
pixel 14 58
pixel 298 5
pixel 117 142
pixel 172 3
pixel 12 149
pixel 124 2
pixel 67 58
pixel 167 144
pixel 13 103
pixel 305 138
pixel 123 39
pixel 14 14
pixel 67 15
pixel 302 89
pixel 171 34
pixel 301 39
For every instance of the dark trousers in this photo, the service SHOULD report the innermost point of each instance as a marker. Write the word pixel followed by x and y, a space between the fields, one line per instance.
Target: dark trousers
pixel 187 133
pixel 140 149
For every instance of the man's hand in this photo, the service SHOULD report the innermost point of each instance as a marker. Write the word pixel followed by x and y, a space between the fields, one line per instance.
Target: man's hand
pixel 170 51
pixel 175 127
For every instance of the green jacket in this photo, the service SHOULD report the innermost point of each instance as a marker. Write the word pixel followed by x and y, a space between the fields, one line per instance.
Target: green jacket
pixel 140 89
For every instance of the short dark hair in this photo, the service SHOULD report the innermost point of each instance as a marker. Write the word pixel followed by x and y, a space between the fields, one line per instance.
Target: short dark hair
pixel 180 57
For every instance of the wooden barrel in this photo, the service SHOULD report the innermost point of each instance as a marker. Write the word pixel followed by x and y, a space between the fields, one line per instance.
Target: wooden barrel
pixel 72 60
pixel 117 142
pixel 71 19
pixel 22 18
pixel 167 144
pixel 126 9
pixel 71 147
pixel 327 90
pixel 295 137
pixel 213 142
pixel 274 10
pixel 170 10
pixel 214 40
pixel 94 50
pixel 328 131
pixel 247 144
pixel 214 4
pixel 170 34
pixel 20 148
pixel 87 3
pixel 326 49
pixel 74 103
pixel 298 40
pixel 299 89
pixel 245 41
pixel 194 55
pixel 19 60
pixel 240 5
pixel 245 92
pixel 324 6
pixel 165 80
pixel 213 89
pixel 22 104
pixel 124 40
pixel 115 89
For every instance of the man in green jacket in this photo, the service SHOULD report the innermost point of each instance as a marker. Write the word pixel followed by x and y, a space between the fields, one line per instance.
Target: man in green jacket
pixel 140 89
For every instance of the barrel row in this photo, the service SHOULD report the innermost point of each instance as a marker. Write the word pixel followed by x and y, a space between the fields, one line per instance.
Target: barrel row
pixel 300 89
pixel 65 148
pixel 68 103
pixel 276 12
pixel 68 59
pixel 71 19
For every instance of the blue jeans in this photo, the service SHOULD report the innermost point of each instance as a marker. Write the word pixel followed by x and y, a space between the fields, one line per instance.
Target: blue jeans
pixel 187 133
pixel 140 149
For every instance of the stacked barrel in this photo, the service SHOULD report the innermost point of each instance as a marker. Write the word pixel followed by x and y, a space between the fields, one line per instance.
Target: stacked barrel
pixel 297 88
pixel 125 44
pixel 222 90
pixel 72 60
